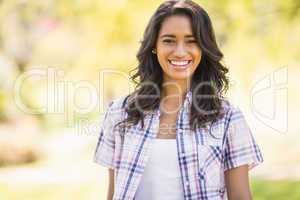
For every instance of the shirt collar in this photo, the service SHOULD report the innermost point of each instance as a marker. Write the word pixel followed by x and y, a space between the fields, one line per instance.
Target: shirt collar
pixel 188 97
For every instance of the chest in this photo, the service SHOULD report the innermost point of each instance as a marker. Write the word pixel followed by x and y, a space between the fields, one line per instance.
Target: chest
pixel 199 152
pixel 167 126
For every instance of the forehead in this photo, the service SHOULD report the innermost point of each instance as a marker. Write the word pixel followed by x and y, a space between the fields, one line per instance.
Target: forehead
pixel 176 25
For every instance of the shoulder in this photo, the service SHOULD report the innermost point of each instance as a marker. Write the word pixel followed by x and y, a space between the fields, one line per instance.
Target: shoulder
pixel 115 111
pixel 234 114
pixel 118 104
pixel 230 108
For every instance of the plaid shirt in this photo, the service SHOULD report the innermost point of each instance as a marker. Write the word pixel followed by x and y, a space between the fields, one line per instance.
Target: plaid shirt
pixel 203 155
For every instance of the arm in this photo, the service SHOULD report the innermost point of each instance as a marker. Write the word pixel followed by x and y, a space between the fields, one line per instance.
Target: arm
pixel 237 183
pixel 110 192
pixel 241 153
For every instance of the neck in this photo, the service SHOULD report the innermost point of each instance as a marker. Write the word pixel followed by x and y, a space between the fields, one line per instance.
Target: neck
pixel 175 88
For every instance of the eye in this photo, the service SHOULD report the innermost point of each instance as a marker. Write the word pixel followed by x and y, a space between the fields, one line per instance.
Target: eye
pixel 168 41
pixel 192 41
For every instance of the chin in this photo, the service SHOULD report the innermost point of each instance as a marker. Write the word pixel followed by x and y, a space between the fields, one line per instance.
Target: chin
pixel 174 76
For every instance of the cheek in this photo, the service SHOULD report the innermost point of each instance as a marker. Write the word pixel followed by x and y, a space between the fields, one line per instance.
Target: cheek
pixel 197 54
pixel 161 58
pixel 162 55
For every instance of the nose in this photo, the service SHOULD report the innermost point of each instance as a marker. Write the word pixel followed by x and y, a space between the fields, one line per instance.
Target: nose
pixel 180 50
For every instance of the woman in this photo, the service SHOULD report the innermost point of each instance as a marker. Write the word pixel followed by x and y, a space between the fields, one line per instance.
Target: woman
pixel 176 136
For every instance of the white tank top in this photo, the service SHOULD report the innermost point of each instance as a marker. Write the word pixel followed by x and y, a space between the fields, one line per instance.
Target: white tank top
pixel 161 178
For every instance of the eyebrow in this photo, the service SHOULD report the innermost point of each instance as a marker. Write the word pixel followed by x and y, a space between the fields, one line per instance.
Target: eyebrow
pixel 173 36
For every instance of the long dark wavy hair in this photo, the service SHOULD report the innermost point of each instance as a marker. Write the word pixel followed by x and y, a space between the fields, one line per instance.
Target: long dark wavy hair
pixel 149 75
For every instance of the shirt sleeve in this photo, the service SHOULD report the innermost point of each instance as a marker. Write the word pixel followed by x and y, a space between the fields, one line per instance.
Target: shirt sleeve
pixel 240 145
pixel 105 149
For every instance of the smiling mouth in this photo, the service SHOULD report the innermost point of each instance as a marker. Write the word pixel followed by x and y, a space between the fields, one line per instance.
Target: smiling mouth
pixel 180 64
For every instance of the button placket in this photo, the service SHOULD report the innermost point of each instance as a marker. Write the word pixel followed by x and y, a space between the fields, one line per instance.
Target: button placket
pixel 187 183
pixel 201 176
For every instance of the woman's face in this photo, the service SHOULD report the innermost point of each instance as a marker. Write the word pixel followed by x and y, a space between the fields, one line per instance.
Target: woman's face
pixel 177 50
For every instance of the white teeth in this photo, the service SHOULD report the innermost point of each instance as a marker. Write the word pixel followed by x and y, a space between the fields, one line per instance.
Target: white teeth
pixel 179 63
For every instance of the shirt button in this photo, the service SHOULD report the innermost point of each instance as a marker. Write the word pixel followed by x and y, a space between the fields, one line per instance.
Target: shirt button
pixel 200 177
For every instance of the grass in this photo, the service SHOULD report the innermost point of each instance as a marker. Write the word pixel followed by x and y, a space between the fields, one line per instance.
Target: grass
pixel 276 190
pixel 262 190
pixel 52 192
